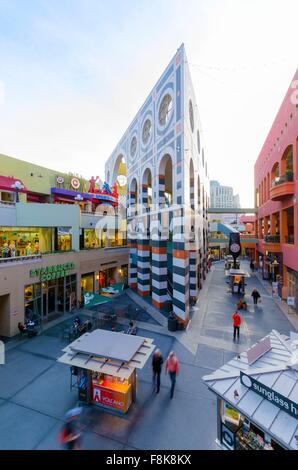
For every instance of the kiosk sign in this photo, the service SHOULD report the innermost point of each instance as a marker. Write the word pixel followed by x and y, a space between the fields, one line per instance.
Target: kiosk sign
pixel 288 406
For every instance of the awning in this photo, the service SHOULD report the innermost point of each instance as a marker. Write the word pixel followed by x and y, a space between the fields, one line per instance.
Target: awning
pixel 6 182
pixel 91 299
pixel 70 193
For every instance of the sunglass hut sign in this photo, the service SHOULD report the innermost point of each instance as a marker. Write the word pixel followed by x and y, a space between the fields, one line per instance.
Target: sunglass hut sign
pixel 288 406
pixel 50 273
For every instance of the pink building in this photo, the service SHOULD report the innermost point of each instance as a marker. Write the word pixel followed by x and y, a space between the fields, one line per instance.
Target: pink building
pixel 276 196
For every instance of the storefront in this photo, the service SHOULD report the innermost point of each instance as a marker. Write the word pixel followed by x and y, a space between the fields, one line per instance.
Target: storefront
pixel 257 396
pixel 103 367
pixel 292 287
pixel 54 293
pixel 28 241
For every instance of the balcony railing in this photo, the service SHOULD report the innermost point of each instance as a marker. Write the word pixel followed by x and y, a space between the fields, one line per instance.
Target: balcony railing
pixel 15 259
pixel 272 239
pixel 288 177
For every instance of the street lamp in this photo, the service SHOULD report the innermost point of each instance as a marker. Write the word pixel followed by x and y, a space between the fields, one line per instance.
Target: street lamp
pixel 17 185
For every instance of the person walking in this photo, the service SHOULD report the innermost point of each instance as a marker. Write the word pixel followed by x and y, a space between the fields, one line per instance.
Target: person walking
pixel 252 266
pixel 70 434
pixel 236 323
pixel 256 296
pixel 173 368
pixel 157 362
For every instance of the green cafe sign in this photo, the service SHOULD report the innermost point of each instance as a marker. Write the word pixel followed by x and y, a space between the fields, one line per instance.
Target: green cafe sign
pixel 284 403
pixel 52 272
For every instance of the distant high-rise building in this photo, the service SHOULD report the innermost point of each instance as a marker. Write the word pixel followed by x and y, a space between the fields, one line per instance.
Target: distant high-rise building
pixel 222 196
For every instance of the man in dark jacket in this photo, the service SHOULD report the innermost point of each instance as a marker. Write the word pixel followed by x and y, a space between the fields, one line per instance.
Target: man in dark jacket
pixel 255 295
pixel 157 361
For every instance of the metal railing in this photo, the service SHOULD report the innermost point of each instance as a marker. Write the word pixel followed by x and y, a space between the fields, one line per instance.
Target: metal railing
pixel 272 239
pixel 288 177
pixel 13 259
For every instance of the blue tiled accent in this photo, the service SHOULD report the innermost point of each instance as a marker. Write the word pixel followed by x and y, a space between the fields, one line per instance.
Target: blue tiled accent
pixel 165 140
pixel 178 148
pixel 165 77
pixel 179 185
pixel 145 106
pixel 178 94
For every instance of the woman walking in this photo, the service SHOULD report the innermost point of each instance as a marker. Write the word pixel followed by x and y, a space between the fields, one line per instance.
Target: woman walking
pixel 173 368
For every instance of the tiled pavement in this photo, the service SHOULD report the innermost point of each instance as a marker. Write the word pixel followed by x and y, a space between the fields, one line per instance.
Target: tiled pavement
pixel 35 389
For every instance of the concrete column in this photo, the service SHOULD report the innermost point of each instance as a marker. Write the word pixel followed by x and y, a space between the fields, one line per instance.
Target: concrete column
pixel 143 268
pixel 181 281
pixel 193 273
pixel 133 268
pixel 159 272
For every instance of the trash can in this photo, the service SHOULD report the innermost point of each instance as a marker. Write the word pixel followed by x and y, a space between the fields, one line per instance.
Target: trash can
pixel 172 323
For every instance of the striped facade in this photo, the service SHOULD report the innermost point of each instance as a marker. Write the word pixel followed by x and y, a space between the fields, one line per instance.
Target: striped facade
pixel 167 254
pixel 144 270
pixel 159 272
pixel 193 273
pixel 133 267
pixel 181 287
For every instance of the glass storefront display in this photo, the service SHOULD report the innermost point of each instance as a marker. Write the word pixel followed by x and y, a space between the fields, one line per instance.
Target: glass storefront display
pixel 91 239
pixel 87 282
pixel 238 433
pixel 25 241
pixel 28 241
pixel 44 300
pixel 292 287
pixel 63 239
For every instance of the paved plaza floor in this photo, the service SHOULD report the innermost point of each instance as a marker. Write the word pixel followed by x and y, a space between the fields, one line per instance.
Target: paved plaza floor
pixel 35 389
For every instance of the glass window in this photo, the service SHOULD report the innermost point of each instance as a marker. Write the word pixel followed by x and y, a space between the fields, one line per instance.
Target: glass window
pixel 165 110
pixel 64 239
pixel 87 282
pixel 91 240
pixel 24 241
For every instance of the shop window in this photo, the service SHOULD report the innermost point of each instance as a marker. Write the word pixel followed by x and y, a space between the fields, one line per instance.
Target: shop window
pixel 25 241
pixel 7 197
pixel 63 240
pixel 87 282
pixel 32 300
pixel 91 241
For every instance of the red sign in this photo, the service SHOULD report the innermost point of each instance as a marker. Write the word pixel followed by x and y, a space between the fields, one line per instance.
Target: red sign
pixel 110 398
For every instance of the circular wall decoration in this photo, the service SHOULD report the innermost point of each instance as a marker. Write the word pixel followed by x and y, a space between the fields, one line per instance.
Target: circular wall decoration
pixel 133 146
pixel 60 179
pixel 75 183
pixel 191 119
pixel 122 180
pixel 146 134
pixel 165 109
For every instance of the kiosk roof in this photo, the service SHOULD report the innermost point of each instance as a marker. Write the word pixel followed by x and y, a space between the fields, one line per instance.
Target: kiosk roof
pixel 109 344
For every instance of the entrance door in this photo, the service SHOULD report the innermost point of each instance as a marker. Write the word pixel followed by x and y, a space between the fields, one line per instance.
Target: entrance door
pixel 52 299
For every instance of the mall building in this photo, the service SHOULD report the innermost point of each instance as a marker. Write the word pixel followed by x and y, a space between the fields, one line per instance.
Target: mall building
pixel 168 192
pixel 59 238
pixel 276 198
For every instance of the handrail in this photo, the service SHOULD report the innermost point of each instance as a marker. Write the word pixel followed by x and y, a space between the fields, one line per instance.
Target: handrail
pixel 12 259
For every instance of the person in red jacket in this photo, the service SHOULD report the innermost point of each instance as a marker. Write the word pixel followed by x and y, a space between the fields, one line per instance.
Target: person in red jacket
pixel 173 367
pixel 236 323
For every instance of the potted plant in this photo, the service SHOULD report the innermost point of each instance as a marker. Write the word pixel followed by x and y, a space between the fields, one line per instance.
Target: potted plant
pixel 289 175
pixel 242 305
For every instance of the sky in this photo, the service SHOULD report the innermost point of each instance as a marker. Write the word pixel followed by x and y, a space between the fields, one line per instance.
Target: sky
pixel 73 73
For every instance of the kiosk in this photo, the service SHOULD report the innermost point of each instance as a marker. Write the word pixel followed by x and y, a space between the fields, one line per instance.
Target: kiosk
pixel 257 396
pixel 236 277
pixel 103 367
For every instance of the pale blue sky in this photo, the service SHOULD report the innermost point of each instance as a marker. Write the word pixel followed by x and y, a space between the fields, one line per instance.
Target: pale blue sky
pixel 75 72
